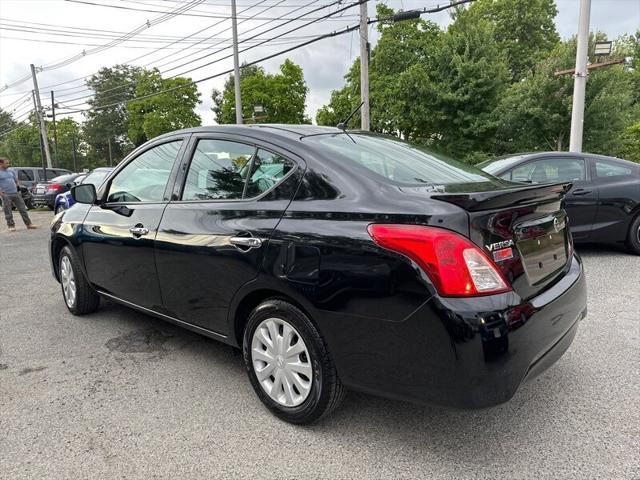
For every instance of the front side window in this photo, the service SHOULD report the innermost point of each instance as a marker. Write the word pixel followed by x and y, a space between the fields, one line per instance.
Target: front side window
pixel 610 169
pixel 549 170
pixel 145 178
pixel 218 170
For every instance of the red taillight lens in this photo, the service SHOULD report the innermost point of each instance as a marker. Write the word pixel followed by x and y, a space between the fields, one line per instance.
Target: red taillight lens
pixel 55 187
pixel 456 266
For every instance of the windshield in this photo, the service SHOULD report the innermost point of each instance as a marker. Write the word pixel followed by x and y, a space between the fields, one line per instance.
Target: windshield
pixel 96 177
pixel 400 161
pixel 497 165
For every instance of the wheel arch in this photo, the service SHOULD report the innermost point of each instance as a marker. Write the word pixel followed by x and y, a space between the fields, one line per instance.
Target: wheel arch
pixel 57 244
pixel 247 299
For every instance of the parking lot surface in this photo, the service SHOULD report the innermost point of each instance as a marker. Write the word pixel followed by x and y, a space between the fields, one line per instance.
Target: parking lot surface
pixel 119 394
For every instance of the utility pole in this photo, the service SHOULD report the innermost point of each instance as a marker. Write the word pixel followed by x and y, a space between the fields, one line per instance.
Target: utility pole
pixel 44 163
pixel 364 66
pixel 236 63
pixel 73 153
pixel 110 158
pixel 55 132
pixel 580 78
pixel 43 125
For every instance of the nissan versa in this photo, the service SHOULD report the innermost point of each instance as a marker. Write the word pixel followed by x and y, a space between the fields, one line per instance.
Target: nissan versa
pixel 336 260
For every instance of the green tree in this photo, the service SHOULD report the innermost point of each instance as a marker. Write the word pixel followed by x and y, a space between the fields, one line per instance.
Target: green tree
pixel 164 112
pixel 6 121
pixel 22 145
pixel 112 86
pixel 282 96
pixel 535 114
pixel 524 29
pixel 69 131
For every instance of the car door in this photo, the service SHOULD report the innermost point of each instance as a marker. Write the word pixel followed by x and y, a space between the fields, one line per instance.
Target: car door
pixel 580 202
pixel 212 237
pixel 618 184
pixel 118 235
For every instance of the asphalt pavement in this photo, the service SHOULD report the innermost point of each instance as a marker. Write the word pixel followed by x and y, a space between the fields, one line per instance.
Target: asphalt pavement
pixel 118 394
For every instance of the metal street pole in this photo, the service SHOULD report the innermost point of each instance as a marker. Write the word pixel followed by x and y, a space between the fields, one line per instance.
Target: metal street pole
pixel 44 163
pixel 73 153
pixel 110 157
pixel 55 132
pixel 236 63
pixel 364 67
pixel 580 78
pixel 43 125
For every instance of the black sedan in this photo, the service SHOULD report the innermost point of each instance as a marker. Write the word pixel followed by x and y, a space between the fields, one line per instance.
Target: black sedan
pixel 604 202
pixel 44 194
pixel 334 260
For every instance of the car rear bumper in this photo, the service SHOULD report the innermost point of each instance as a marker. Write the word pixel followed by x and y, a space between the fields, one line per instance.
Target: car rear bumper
pixel 463 353
pixel 43 199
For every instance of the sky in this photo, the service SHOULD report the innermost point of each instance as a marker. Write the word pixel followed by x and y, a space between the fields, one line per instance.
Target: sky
pixel 324 63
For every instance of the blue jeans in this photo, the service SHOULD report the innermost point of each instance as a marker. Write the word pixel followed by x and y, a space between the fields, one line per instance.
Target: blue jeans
pixel 8 201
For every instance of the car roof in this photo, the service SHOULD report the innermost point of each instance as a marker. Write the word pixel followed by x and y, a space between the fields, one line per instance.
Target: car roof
pixel 268 129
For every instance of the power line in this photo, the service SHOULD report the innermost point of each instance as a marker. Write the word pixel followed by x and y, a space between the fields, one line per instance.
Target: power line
pixel 162 18
pixel 219 50
pixel 122 7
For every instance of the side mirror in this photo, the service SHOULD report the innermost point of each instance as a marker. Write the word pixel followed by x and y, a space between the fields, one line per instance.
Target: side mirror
pixel 84 193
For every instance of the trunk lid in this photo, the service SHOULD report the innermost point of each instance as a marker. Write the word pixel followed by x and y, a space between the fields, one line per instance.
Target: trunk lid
pixel 523 229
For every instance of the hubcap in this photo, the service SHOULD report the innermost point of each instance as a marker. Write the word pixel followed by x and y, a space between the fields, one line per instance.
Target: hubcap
pixel 68 281
pixel 281 362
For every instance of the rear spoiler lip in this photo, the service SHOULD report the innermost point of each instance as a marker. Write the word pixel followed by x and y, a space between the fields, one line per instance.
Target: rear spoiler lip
pixel 510 197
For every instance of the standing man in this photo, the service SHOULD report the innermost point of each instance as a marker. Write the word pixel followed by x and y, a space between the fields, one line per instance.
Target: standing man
pixel 11 196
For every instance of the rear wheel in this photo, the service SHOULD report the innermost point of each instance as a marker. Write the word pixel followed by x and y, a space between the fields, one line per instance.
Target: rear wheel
pixel 633 237
pixel 79 296
pixel 289 365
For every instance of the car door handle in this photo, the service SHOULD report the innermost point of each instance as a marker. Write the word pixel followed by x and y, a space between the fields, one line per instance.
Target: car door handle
pixel 580 191
pixel 138 231
pixel 246 242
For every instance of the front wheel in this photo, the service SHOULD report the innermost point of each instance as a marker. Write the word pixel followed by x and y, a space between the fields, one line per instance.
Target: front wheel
pixel 78 295
pixel 289 365
pixel 633 237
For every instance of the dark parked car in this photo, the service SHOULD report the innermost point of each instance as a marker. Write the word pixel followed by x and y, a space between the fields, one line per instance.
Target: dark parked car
pixel 44 194
pixel 604 202
pixel 29 176
pixel 95 177
pixel 334 260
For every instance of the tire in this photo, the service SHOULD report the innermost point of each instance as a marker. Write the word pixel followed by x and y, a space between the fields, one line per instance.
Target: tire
pixel 633 237
pixel 318 396
pixel 84 299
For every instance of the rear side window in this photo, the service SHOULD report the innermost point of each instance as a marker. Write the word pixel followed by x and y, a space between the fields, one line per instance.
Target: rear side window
pixel 218 170
pixel 145 178
pixel 611 169
pixel 267 170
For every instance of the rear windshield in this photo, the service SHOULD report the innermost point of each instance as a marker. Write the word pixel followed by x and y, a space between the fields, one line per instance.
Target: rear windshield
pixel 496 165
pixel 400 161
pixel 64 178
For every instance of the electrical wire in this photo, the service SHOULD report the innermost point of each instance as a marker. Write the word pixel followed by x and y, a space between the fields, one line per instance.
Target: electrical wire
pixel 162 18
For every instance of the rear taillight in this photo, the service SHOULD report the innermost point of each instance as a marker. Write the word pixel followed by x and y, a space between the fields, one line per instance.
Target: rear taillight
pixel 456 266
pixel 55 187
